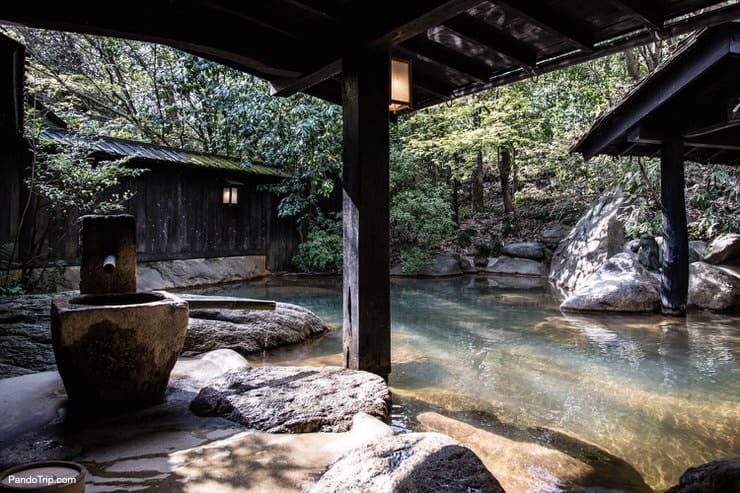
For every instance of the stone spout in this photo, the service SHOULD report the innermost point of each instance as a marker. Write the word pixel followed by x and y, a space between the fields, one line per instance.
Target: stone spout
pixel 109 264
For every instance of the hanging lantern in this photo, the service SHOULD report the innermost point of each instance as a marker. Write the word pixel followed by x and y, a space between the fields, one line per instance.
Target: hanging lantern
pixel 400 85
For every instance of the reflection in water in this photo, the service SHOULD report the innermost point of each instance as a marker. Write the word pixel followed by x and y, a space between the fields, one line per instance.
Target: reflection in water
pixel 660 394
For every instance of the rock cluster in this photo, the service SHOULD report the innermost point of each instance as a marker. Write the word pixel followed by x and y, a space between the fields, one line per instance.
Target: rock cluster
pixel 25 333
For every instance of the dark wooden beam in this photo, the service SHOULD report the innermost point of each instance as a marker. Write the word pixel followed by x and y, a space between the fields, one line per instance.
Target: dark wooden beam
pixel 288 87
pixel 566 59
pixel 646 10
pixel 442 55
pixel 431 85
pixel 696 133
pixel 552 21
pixel 409 19
pixel 259 50
pixel 720 139
pixel 366 213
pixel 417 16
pixel 495 39
pixel 674 281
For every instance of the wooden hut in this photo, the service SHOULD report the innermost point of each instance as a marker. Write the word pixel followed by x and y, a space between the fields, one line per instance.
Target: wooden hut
pixel 688 109
pixel 192 205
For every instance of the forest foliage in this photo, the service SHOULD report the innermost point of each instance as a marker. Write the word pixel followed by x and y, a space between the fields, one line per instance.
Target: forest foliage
pixel 502 154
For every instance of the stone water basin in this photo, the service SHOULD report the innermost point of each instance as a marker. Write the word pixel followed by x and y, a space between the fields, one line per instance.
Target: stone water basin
pixel 117 350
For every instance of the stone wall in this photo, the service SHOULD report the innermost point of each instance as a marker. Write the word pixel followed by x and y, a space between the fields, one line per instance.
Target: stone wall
pixel 168 274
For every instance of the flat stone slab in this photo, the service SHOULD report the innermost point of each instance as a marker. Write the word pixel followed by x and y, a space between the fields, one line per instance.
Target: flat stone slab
pixel 406 463
pixel 248 332
pixel 293 399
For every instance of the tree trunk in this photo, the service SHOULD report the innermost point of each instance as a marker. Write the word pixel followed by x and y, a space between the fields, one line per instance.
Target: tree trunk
pixel 504 170
pixel 456 201
pixel 477 184
pixel 632 68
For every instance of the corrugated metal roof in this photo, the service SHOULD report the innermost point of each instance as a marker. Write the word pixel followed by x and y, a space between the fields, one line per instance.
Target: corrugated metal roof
pixel 128 148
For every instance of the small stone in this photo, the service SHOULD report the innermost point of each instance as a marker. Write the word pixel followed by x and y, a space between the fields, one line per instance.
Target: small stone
pixel 481 262
pixel 409 463
pixel 526 249
pixel 442 266
pixel 724 249
pixel 510 266
pixel 294 399
pixel 553 236
pixel 648 253
pixel 713 287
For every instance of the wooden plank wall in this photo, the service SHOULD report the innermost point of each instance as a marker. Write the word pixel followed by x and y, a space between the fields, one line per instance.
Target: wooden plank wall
pixel 180 214
pixel 13 155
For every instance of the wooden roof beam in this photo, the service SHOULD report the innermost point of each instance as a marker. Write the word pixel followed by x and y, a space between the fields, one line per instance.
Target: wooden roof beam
pixel 551 20
pixel 479 32
pixel 448 57
pixel 431 85
pixel 415 18
pixel 648 13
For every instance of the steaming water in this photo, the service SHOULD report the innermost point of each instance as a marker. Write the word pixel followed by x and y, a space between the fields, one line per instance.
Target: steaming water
pixel 660 394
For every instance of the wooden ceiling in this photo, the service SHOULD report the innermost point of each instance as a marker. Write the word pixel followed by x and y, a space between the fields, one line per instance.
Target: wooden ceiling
pixel 458 47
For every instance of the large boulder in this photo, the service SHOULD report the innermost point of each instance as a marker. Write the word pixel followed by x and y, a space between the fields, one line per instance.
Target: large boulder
pixel 552 237
pixel 724 249
pixel 713 287
pixel 248 332
pixel 622 284
pixel 525 249
pixel 409 463
pixel 719 476
pixel 510 266
pixel 294 399
pixel 598 235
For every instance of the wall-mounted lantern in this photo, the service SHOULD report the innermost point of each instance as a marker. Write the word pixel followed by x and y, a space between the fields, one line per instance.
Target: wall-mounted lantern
pixel 400 85
pixel 231 192
pixel 231 195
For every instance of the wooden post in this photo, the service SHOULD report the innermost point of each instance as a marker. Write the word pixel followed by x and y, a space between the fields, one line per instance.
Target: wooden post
pixel 674 285
pixel 367 329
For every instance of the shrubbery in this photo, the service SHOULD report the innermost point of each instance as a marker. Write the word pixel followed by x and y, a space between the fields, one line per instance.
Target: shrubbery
pixel 322 250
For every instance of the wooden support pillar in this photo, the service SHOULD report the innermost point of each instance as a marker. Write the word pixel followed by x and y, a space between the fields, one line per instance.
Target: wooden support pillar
pixel 674 285
pixel 367 330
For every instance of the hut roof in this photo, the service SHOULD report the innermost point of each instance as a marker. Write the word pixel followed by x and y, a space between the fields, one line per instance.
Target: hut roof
pixel 117 148
pixel 694 96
